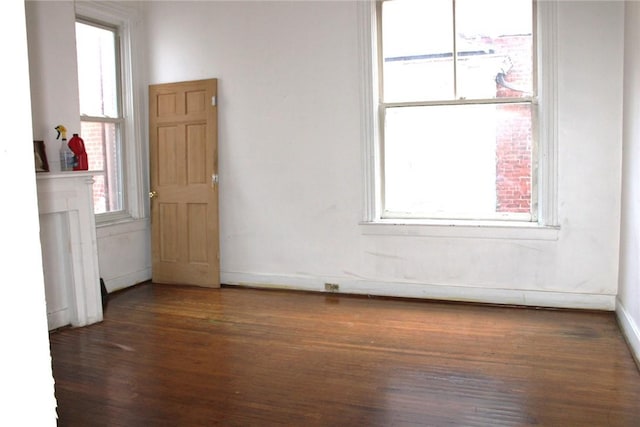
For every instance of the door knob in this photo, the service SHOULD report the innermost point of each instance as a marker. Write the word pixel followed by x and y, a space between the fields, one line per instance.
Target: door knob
pixel 153 194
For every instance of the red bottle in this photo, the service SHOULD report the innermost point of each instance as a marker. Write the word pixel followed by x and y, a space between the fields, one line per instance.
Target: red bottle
pixel 76 144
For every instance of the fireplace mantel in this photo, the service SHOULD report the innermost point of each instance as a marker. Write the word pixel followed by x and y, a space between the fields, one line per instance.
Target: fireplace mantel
pixel 69 248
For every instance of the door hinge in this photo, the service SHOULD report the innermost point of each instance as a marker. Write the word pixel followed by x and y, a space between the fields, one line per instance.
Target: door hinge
pixel 214 179
pixel 214 101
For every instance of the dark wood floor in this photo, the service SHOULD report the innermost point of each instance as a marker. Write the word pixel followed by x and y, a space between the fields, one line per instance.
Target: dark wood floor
pixel 176 356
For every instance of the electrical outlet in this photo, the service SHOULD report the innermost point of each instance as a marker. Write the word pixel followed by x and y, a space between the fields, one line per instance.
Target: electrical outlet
pixel 331 287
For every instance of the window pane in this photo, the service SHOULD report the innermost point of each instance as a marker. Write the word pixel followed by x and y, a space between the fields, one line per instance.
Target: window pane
pixel 99 194
pixel 97 71
pixel 104 154
pixel 470 161
pixel 417 50
pixel 494 43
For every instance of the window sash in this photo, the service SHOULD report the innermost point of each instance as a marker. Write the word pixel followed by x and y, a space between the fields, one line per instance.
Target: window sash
pixel 455 98
pixel 479 212
pixel 112 170
pixel 117 62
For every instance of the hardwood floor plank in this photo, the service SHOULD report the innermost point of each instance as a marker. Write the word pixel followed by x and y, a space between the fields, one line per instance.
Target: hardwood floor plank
pixel 182 356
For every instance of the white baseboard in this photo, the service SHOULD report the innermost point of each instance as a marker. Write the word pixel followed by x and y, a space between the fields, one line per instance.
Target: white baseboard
pixel 59 318
pixel 127 280
pixel 425 291
pixel 630 329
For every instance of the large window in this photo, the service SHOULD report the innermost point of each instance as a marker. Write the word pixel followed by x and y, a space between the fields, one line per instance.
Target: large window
pixel 457 107
pixel 101 111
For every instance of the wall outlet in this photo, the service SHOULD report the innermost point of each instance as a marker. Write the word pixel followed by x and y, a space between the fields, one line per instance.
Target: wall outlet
pixel 331 287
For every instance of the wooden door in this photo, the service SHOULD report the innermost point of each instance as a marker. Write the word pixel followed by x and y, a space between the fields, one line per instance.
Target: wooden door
pixel 183 140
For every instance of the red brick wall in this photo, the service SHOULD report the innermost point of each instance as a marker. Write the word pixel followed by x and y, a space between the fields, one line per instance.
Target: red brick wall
pixel 94 137
pixel 513 159
pixel 513 137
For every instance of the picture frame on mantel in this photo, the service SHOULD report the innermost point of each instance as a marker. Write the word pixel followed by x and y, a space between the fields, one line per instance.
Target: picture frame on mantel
pixel 40 157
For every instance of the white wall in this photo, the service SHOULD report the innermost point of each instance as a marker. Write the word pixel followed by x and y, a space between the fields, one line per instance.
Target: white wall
pixel 26 385
pixel 290 158
pixel 290 155
pixel 628 306
pixel 53 73
pixel 124 251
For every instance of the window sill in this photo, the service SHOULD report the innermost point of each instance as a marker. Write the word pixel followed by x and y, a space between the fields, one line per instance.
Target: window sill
pixel 508 230
pixel 114 218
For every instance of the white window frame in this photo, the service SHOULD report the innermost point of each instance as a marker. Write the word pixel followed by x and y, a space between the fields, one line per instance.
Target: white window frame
pixel 124 18
pixel 545 160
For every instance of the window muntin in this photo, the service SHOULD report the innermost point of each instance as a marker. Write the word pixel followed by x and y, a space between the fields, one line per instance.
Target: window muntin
pixel 457 137
pixel 101 111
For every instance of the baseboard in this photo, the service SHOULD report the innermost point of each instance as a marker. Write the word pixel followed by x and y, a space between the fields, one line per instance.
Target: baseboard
pixel 58 319
pixel 425 291
pixel 630 330
pixel 127 280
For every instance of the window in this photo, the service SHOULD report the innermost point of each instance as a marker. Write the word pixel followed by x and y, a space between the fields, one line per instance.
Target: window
pixel 109 83
pixel 458 112
pixel 101 111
